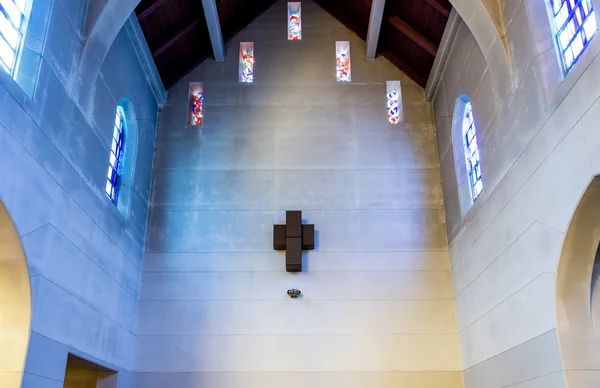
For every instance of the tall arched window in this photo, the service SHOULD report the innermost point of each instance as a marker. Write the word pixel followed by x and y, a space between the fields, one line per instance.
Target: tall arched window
pixel 123 152
pixel 13 23
pixel 469 133
pixel 466 155
pixel 576 25
pixel 116 157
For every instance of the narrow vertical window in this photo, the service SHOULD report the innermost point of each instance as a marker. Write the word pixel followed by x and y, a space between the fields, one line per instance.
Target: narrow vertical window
pixel 196 103
pixel 13 22
pixel 116 156
pixel 342 61
pixel 576 24
pixel 471 152
pixel 394 100
pixel 247 62
pixel 294 21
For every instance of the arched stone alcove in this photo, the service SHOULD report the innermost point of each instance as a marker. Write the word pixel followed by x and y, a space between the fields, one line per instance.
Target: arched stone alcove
pixel 580 344
pixel 15 304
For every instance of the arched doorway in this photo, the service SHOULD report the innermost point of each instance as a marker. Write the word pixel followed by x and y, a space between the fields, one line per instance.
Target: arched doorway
pixel 15 304
pixel 579 342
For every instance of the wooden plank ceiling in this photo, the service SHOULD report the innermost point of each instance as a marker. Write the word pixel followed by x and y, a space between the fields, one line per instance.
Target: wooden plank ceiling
pixel 177 33
pixel 178 37
pixel 411 30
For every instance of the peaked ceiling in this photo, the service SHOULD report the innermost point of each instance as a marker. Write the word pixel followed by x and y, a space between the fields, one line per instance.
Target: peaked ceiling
pixel 177 33
pixel 178 38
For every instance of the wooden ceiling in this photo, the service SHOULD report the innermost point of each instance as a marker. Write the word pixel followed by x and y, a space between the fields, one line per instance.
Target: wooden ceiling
pixel 178 37
pixel 177 33
pixel 411 30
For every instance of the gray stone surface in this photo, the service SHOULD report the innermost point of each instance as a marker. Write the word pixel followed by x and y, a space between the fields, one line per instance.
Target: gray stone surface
pixel 536 128
pixel 526 362
pixel 377 290
pixel 299 379
pixel 84 256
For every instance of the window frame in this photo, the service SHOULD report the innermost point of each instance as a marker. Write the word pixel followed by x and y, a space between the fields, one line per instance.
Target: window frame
pixel 115 163
pixel 24 9
pixel 471 151
pixel 579 33
pixel 246 62
pixel 294 20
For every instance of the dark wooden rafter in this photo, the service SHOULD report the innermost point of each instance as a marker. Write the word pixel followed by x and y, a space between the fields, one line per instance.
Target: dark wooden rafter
pixel 413 34
pixel 238 23
pixel 409 37
pixel 405 68
pixel 407 42
pixel 172 41
pixel 437 5
pixel 178 34
pixel 151 9
pixel 340 16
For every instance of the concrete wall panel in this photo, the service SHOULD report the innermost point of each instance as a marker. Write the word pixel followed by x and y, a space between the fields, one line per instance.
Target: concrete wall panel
pixel 377 306
pixel 534 133
pixel 84 256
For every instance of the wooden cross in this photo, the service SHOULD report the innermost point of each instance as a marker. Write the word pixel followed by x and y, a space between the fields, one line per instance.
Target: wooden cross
pixel 293 237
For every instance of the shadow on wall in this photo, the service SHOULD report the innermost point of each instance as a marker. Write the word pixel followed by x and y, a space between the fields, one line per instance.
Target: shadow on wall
pixel 15 304
pixel 580 344
pixel 595 294
pixel 81 373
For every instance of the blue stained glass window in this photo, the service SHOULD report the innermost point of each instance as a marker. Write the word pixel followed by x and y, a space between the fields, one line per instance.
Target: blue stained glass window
pixel 116 156
pixel 576 22
pixel 12 26
pixel 471 152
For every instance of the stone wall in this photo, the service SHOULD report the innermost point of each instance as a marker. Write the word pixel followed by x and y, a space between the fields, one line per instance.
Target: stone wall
pixel 84 256
pixel 538 138
pixel 377 308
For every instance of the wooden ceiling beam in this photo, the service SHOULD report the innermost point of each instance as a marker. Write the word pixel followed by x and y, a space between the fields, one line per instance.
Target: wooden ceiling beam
pixel 413 34
pixel 405 68
pixel 437 5
pixel 172 41
pixel 375 21
pixel 214 29
pixel 156 5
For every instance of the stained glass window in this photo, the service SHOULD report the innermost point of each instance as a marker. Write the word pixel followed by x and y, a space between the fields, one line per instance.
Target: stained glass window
pixel 12 29
pixel 294 21
pixel 471 152
pixel 197 100
pixel 394 101
pixel 342 61
pixel 576 23
pixel 116 156
pixel 247 62
pixel 196 103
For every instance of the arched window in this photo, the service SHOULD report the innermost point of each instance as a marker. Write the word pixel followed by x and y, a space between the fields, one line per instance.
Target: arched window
pixel 123 151
pixel 116 157
pixel 575 22
pixel 469 133
pixel 13 23
pixel 466 155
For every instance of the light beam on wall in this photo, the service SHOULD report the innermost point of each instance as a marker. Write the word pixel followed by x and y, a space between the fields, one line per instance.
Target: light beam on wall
pixel 246 62
pixel 394 102
pixel 294 21
pixel 342 61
